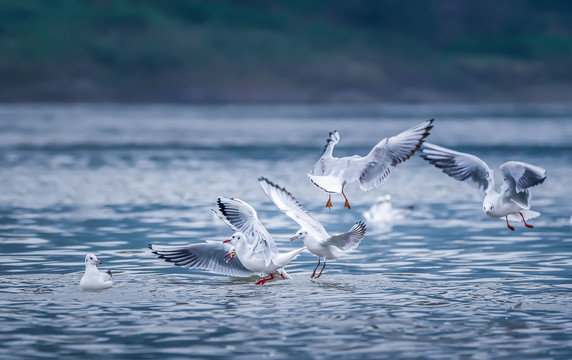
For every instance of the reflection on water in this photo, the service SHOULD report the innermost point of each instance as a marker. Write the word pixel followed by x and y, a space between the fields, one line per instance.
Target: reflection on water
pixel 443 282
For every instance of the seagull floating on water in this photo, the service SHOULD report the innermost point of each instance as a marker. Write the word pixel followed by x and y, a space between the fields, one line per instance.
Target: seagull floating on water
pixel 511 201
pixel 331 174
pixel 383 212
pixel 93 279
pixel 312 232
pixel 251 242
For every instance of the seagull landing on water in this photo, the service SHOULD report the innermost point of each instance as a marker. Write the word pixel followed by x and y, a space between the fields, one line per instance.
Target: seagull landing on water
pixel 511 201
pixel 331 174
pixel 251 243
pixel 93 279
pixel 312 232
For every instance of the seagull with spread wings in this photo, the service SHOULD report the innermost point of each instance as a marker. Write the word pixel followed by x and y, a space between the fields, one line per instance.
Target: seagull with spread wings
pixel 312 232
pixel 511 200
pixel 251 248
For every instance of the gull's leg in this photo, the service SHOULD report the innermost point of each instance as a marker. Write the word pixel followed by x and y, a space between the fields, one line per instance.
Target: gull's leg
pixel 283 278
pixel 320 274
pixel 316 268
pixel 524 221
pixel 329 203
pixel 347 204
pixel 510 227
pixel 261 282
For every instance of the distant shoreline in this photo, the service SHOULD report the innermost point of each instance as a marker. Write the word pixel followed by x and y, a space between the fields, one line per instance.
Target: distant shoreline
pixel 542 94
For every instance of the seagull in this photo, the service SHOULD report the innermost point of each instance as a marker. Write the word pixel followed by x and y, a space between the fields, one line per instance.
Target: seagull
pixel 93 279
pixel 251 243
pixel 209 255
pixel 511 201
pixel 312 232
pixel 331 174
pixel 383 212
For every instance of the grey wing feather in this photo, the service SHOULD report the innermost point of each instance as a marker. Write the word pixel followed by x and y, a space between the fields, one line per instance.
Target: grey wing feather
pixel 460 166
pixel 349 240
pixel 523 175
pixel 322 166
pixel 108 276
pixel 242 217
pixel 291 207
pixel 207 256
pixel 388 153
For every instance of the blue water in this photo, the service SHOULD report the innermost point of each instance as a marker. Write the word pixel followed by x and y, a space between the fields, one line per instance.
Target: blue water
pixel 446 282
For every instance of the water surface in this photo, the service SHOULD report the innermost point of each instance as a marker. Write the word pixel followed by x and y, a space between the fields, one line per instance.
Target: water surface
pixel 445 282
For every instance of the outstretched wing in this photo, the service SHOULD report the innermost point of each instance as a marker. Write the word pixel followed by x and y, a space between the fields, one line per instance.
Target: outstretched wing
pixel 374 168
pixel 208 256
pixel 242 217
pixel 323 165
pixel 522 175
pixel 518 178
pixel 349 240
pixel 460 166
pixel 292 208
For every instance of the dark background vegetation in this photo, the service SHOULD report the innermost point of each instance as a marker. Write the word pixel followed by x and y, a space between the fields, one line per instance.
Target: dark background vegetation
pixel 291 51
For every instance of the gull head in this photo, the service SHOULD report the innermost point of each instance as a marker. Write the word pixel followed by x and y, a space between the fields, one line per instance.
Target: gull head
pixel 299 235
pixel 235 238
pixel 488 208
pixel 91 259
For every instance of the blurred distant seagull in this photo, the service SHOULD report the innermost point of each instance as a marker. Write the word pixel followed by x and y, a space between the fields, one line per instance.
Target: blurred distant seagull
pixel 312 232
pixel 93 279
pixel 382 212
pixel 511 201
pixel 331 174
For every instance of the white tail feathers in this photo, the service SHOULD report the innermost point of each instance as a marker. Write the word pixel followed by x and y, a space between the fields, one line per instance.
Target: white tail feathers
pixel 528 214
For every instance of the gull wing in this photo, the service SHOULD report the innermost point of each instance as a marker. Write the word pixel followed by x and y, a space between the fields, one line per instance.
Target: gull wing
pixel 322 166
pixel 460 166
pixel 522 175
pixel 292 208
pixel 349 240
pixel 242 217
pixel 518 178
pixel 208 256
pixel 107 276
pixel 374 168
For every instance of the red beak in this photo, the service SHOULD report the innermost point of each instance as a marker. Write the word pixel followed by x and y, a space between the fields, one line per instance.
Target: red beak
pixel 97 261
pixel 227 240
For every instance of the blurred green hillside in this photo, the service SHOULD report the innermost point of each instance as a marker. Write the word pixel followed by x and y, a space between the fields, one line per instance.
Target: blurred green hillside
pixel 252 51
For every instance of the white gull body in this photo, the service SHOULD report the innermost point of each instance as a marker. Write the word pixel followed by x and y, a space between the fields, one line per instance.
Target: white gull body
pixel 511 200
pixel 331 174
pixel 251 242
pixel 312 232
pixel 93 279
